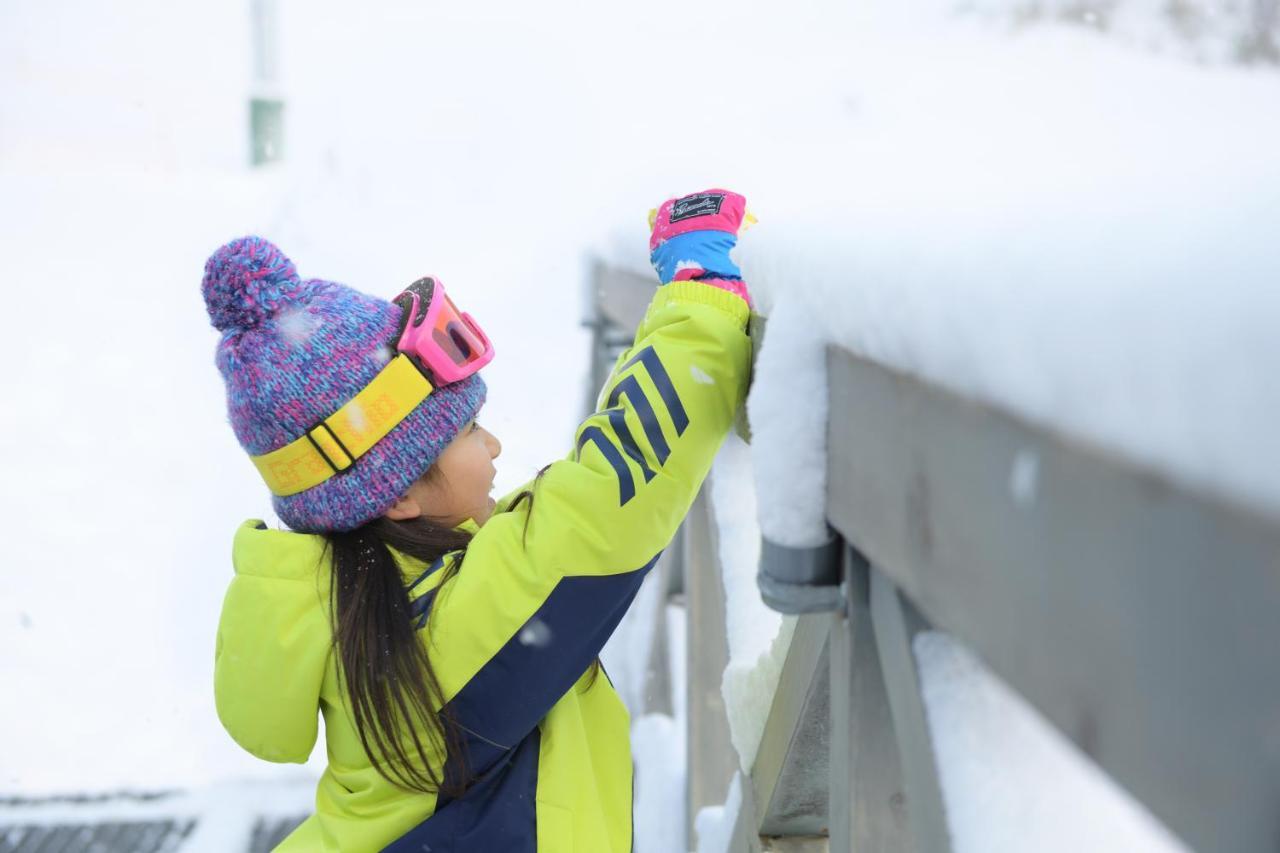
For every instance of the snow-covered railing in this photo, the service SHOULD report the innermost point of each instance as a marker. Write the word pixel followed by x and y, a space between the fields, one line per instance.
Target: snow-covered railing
pixel 1137 615
pixel 1135 612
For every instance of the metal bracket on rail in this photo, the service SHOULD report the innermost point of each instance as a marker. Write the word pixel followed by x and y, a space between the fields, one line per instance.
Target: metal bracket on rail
pixel 801 580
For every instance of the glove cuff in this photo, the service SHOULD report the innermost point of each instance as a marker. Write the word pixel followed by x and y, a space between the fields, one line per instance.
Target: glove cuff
pixel 736 286
pixel 695 254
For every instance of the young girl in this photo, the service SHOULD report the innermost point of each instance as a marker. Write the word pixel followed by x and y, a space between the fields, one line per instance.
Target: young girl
pixel 450 640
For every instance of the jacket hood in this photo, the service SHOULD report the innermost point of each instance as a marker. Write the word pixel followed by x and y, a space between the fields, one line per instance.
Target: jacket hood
pixel 273 642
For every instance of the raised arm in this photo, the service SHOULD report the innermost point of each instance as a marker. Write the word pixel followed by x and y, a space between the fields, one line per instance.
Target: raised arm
pixel 544 585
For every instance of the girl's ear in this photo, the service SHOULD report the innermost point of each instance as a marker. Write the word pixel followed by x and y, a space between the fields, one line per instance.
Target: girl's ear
pixel 404 509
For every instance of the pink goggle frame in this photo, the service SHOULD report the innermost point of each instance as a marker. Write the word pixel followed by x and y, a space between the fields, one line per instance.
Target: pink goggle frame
pixel 447 342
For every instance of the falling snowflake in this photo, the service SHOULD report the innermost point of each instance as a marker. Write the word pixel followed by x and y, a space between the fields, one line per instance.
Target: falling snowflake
pixel 297 325
pixel 356 416
pixel 535 633
pixel 1024 478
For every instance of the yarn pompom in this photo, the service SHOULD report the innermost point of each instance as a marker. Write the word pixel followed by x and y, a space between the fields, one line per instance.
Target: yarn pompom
pixel 246 282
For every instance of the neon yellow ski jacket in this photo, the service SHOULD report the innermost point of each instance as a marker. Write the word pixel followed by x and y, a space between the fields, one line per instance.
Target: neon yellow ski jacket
pixel 512 635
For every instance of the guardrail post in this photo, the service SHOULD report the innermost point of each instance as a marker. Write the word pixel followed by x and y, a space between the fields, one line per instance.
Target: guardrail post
pixel 712 758
pixel 789 778
pixel 896 623
pixel 867 801
pixel 658 687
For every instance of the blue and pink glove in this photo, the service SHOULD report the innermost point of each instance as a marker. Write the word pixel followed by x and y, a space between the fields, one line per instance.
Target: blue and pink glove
pixel 691 238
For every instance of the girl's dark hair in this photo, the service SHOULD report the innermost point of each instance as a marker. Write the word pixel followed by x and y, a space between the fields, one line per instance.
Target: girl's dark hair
pixel 391 683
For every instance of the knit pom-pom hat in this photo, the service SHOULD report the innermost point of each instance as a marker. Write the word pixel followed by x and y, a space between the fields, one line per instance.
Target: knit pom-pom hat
pixel 292 353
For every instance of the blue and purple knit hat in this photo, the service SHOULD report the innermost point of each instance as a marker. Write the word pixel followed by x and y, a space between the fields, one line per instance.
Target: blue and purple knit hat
pixel 294 351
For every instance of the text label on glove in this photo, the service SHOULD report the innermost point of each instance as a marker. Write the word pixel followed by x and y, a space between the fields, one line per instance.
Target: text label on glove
pixel 699 204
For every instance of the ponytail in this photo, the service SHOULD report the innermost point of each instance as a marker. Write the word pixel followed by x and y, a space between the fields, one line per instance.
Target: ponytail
pixel 389 679
pixel 392 686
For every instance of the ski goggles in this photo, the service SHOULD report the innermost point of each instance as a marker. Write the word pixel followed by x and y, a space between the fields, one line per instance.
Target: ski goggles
pixel 446 342
pixel 437 345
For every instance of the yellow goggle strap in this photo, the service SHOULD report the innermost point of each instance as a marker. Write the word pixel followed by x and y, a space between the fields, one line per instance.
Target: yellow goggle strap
pixel 334 445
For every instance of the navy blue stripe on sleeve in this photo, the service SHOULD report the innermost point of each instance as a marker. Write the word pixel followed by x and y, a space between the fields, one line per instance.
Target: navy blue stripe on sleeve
pixel 618 419
pixel 516 688
pixel 626 484
pixel 640 404
pixel 662 381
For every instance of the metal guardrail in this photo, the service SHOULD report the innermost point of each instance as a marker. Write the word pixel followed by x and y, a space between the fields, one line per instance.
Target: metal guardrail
pixel 1137 615
pixel 163 836
pixel 144 822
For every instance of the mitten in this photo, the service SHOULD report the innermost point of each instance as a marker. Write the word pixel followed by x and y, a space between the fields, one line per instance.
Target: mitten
pixel 691 238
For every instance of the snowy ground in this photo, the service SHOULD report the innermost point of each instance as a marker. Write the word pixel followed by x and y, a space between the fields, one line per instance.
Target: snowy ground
pixel 916 175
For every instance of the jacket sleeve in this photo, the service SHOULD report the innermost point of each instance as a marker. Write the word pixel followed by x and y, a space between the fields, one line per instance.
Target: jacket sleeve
pixel 544 585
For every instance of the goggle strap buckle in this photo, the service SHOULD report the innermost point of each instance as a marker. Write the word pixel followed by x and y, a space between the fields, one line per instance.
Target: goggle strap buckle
pixel 330 439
